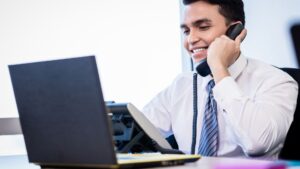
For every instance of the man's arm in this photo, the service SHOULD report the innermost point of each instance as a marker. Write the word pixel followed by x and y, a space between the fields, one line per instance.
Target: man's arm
pixel 261 123
pixel 157 112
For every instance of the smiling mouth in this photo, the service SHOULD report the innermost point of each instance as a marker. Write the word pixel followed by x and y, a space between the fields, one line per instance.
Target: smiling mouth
pixel 194 51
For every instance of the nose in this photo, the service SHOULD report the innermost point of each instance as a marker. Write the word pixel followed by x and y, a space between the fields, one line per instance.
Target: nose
pixel 193 37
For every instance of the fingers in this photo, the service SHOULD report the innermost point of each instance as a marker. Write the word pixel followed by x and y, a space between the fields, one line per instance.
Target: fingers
pixel 241 36
pixel 238 39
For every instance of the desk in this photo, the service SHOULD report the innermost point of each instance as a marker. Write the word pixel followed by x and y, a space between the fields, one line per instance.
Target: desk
pixel 21 162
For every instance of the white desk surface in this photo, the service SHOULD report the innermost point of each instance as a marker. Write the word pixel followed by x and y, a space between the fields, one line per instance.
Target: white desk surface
pixel 21 162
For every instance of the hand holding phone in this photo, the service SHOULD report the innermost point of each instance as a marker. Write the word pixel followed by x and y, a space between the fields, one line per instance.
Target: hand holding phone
pixel 232 32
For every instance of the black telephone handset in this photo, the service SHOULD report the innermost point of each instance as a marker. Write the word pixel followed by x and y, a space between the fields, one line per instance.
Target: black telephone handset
pixel 232 32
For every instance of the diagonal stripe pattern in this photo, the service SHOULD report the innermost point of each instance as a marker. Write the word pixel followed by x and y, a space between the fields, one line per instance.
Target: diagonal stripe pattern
pixel 209 134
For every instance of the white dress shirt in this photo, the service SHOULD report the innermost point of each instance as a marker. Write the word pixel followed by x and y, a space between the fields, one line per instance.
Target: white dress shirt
pixel 256 105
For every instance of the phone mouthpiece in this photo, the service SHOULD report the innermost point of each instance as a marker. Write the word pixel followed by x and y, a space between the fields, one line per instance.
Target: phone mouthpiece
pixel 203 68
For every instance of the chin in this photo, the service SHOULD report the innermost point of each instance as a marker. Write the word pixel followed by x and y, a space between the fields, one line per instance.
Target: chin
pixel 196 60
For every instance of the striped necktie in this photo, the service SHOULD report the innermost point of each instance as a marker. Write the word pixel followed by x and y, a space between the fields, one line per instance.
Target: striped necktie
pixel 209 134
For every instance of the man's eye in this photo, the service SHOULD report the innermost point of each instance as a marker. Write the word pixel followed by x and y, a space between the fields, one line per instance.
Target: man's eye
pixel 186 32
pixel 204 27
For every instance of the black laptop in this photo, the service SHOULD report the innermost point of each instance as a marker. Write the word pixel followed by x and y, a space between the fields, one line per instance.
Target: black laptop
pixel 64 120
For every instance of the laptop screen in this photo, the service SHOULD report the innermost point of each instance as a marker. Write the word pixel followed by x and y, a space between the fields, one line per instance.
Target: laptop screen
pixel 62 112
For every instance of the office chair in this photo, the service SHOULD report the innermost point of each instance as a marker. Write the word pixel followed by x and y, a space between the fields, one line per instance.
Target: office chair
pixel 291 147
pixel 10 126
pixel 295 32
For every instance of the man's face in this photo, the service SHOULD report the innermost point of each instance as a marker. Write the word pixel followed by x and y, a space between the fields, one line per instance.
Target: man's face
pixel 201 24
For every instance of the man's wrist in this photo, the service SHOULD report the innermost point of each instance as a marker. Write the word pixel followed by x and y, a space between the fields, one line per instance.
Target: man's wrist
pixel 219 73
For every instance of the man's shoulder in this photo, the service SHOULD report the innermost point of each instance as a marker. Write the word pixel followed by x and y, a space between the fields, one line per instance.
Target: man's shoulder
pixel 267 71
pixel 183 79
pixel 184 76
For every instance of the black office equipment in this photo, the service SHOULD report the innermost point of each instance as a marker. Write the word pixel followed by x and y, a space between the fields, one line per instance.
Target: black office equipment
pixel 295 32
pixel 64 117
pixel 134 133
pixel 291 148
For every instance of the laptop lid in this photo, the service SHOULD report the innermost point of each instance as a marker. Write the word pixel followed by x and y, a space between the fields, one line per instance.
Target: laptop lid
pixel 63 113
pixel 64 119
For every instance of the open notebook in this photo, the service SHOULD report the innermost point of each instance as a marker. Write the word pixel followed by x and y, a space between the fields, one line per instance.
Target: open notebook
pixel 64 119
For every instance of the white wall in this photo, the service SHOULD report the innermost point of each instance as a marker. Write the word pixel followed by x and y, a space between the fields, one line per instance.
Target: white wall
pixel 268 24
pixel 136 42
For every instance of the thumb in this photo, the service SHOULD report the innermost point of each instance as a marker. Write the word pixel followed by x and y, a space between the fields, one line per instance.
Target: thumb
pixel 241 36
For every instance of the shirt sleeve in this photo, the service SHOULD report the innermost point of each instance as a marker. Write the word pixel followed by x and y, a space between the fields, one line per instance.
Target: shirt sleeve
pixel 157 112
pixel 259 123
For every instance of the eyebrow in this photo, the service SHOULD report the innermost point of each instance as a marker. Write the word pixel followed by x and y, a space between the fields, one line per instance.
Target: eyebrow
pixel 196 23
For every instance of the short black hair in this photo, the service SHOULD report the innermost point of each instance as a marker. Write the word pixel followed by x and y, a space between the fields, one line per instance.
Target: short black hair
pixel 232 10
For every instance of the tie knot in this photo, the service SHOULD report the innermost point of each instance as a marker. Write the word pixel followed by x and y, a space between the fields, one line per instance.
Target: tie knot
pixel 210 85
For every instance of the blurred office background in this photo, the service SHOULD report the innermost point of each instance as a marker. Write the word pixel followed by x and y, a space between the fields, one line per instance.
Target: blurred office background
pixel 137 43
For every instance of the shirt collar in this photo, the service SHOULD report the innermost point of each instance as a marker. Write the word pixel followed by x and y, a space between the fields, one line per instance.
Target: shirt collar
pixel 238 66
pixel 234 70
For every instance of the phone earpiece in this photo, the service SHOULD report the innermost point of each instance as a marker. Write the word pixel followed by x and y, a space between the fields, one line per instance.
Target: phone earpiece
pixel 234 30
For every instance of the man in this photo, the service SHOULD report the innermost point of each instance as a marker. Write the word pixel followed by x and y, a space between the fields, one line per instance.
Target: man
pixel 244 108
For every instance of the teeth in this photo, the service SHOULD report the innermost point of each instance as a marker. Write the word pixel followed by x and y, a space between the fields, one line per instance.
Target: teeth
pixel 198 50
